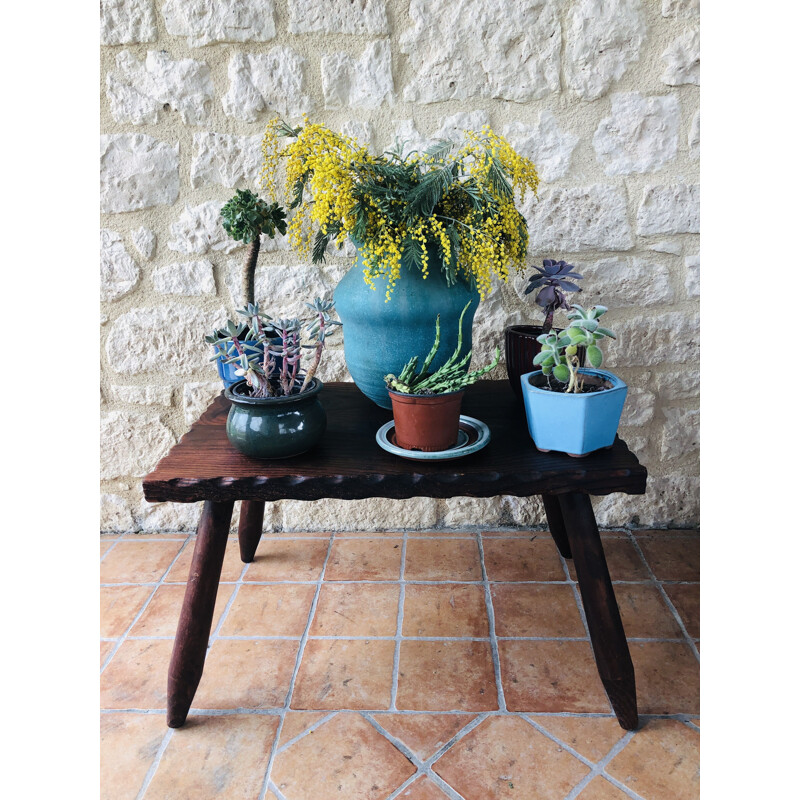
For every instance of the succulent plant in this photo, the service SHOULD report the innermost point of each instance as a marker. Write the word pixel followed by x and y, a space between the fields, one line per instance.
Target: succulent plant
pixel 552 284
pixel 280 339
pixel 452 376
pixel 245 217
pixel 559 354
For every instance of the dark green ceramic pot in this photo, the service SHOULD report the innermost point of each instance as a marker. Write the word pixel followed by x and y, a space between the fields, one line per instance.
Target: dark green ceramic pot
pixel 275 427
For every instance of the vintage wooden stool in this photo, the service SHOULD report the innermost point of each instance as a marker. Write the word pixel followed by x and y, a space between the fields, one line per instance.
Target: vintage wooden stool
pixel 349 465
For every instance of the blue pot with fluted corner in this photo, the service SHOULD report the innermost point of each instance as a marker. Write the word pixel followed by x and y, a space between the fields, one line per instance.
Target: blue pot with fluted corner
pixel 576 424
pixel 380 336
pixel 227 372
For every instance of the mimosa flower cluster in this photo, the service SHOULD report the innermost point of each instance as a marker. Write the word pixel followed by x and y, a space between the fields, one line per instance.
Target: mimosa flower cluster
pixel 452 207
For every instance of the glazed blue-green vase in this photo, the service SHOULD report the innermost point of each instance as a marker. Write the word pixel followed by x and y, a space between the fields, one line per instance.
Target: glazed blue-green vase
pixel 380 337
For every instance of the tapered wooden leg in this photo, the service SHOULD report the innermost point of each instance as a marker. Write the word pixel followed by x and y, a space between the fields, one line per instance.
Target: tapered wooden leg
pixel 251 521
pixel 194 626
pixel 600 604
pixel 555 521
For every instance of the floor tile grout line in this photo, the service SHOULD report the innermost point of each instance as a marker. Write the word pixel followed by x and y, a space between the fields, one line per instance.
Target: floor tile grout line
pixel 353 637
pixel 495 648
pixel 310 729
pixel 665 598
pixel 155 763
pixel 121 640
pixel 275 790
pixel 568 581
pixel 401 603
pixel 296 670
pixel 117 540
pixel 423 766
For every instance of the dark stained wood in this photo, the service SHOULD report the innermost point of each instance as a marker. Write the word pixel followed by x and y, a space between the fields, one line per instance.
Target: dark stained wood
pixel 194 625
pixel 600 604
pixel 348 463
pixel 555 522
pixel 251 521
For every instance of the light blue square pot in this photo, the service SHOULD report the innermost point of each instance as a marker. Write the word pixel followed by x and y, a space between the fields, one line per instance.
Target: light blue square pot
pixel 574 423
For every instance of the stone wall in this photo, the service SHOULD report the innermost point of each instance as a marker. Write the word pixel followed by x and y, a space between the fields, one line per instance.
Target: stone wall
pixel 602 94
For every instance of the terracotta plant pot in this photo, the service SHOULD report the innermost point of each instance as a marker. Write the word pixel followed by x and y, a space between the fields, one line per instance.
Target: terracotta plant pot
pixel 426 422
pixel 521 349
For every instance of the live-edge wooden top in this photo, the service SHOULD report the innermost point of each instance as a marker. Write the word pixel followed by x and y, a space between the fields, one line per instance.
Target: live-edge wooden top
pixel 348 463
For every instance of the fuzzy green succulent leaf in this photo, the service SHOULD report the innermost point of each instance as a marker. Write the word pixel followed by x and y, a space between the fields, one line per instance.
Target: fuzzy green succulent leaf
pixel 594 355
pixel 561 373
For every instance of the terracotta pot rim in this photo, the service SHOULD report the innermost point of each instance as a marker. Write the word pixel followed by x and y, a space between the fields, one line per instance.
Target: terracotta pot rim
pixel 393 393
pixel 232 393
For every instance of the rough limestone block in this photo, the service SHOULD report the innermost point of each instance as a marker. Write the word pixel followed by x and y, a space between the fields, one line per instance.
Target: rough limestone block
pixel 453 127
pixel 474 512
pixel 682 60
pixel 118 271
pixel 190 278
pixel 672 247
pixel 199 230
pixel 197 397
pixel 358 515
pixel 127 21
pixel 221 21
pixel 140 92
pixel 137 171
pixel 133 443
pixel 694 137
pixel 225 160
pixel 338 16
pixel 576 219
pixel 273 81
pixel 148 395
pixel 669 338
pixel 168 338
pixel 362 132
pixel 407 135
pixel 474 48
pixel 670 501
pixel 692 282
pixel 683 384
pixel 281 289
pixel 641 135
pixel 144 240
pixel 364 82
pixel 166 517
pixel 115 514
pixel 680 8
pixel 603 37
pixel 546 144
pixel 333 366
pixel 624 283
pixel 527 512
pixel 639 408
pixel 669 209
pixel 681 435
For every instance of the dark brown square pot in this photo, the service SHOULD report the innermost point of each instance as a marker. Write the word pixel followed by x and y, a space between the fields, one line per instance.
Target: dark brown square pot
pixel 426 422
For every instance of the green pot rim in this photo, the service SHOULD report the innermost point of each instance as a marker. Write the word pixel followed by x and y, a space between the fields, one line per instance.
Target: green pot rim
pixel 245 400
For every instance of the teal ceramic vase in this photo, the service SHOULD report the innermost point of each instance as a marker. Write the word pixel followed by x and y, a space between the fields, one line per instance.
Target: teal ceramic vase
pixel 275 427
pixel 380 337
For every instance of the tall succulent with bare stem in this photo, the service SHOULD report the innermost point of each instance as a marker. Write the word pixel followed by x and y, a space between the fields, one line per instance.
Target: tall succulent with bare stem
pixel 245 217
pixel 552 284
pixel 274 371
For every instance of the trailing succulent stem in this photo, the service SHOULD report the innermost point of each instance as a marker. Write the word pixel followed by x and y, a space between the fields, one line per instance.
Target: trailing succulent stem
pixel 452 376
pixel 245 217
pixel 559 354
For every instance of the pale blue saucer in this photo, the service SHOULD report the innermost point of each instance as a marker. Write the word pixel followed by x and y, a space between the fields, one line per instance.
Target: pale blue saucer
pixel 472 436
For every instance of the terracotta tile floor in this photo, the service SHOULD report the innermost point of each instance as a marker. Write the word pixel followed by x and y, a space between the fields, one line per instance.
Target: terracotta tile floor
pixel 416 667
